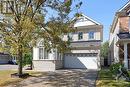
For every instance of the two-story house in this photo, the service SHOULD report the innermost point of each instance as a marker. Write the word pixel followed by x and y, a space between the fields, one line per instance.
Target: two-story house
pixel 119 39
pixel 85 48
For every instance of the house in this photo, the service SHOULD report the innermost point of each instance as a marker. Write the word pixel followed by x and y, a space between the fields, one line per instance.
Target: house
pixel 119 38
pixel 4 56
pixel 84 53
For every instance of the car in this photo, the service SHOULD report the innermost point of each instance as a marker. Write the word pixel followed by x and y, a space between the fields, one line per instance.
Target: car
pixel 12 62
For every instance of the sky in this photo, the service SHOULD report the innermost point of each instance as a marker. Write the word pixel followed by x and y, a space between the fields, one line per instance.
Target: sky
pixel 102 11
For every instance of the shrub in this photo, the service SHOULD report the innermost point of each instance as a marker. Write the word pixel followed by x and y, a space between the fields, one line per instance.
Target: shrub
pixel 27 59
pixel 114 68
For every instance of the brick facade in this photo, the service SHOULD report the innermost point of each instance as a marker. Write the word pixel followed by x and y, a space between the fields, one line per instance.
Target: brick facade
pixel 124 24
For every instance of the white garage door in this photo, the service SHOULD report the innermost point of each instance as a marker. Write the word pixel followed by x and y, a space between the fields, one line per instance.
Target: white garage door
pixel 84 60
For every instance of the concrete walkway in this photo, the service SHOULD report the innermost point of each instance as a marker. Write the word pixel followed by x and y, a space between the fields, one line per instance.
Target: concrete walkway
pixel 61 78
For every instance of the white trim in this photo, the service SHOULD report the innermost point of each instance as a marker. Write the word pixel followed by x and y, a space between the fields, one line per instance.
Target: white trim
pixel 89 19
pixel 116 17
pixel 125 56
pixel 124 6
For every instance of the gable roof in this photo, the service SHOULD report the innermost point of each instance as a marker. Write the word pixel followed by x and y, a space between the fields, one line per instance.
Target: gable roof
pixel 125 8
pixel 84 20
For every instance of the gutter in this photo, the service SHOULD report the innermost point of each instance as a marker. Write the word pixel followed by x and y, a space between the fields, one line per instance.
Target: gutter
pixel 114 23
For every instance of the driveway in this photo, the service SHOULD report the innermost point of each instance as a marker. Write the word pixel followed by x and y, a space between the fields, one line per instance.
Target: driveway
pixel 8 67
pixel 61 78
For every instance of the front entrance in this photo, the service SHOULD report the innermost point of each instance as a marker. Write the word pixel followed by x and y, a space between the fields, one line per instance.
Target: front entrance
pixel 105 62
pixel 122 52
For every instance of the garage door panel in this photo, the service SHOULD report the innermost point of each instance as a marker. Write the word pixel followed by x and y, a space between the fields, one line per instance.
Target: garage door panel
pixel 80 61
pixel 72 62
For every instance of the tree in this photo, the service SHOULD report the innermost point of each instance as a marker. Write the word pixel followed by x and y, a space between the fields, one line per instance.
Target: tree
pixel 25 22
pixel 105 49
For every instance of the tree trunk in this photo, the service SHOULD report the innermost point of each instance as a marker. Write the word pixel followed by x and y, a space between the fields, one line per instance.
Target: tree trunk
pixel 31 58
pixel 20 60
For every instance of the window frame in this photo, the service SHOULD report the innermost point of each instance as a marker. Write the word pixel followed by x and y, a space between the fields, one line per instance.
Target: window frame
pixel 46 54
pixel 80 35
pixel 41 53
pixel 91 35
pixel 70 36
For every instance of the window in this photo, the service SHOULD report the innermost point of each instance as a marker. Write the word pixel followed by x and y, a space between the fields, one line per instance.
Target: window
pixel 46 54
pixel 41 53
pixel 80 35
pixel 91 35
pixel 0 38
pixel 70 37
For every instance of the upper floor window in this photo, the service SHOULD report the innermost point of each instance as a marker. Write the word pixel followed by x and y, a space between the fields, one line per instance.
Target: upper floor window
pixel 80 35
pixel 70 37
pixel 91 35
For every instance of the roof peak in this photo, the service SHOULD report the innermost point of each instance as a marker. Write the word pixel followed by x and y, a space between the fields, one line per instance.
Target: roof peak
pixel 125 6
pixel 91 19
pixel 83 15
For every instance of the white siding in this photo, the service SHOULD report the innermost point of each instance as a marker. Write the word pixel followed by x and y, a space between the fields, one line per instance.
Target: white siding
pixel 35 53
pixel 97 36
pixel 114 37
pixel 51 56
pixel 84 23
pixel 47 65
pixel 85 51
pixel 43 65
pixel 75 37
pixel 65 38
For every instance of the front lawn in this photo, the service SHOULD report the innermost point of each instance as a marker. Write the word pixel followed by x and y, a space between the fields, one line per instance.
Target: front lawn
pixel 5 77
pixel 105 79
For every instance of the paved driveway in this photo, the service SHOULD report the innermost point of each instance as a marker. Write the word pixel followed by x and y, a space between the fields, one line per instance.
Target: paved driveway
pixel 8 67
pixel 61 78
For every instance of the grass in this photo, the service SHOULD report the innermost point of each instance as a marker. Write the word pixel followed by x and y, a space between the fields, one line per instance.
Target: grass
pixel 105 79
pixel 5 77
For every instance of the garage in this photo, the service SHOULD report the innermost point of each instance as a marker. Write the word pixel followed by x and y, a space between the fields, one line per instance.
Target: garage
pixel 81 60
pixel 4 58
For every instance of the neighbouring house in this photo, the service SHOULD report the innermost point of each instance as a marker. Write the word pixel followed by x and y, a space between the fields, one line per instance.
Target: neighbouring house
pixel 119 38
pixel 4 58
pixel 85 48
